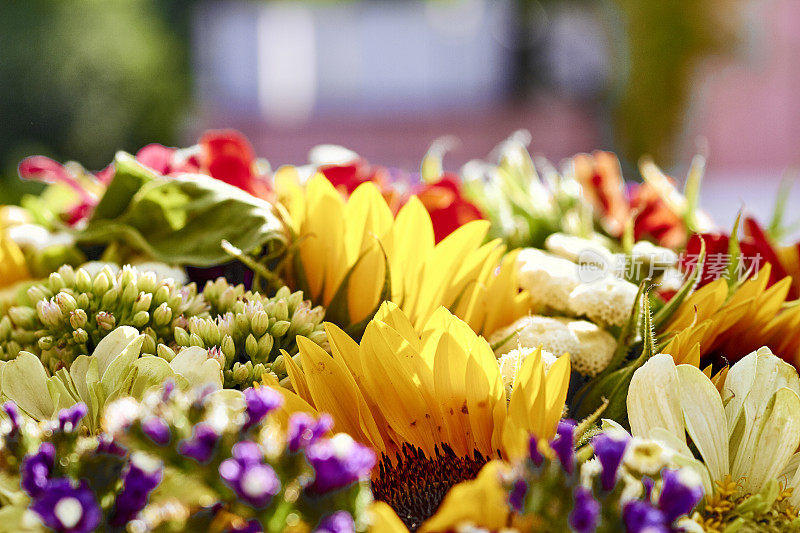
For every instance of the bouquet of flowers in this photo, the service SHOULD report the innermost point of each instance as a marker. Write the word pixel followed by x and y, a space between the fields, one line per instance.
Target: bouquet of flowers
pixel 195 340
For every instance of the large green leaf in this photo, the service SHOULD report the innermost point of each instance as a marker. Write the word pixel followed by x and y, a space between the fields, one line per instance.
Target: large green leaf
pixel 181 219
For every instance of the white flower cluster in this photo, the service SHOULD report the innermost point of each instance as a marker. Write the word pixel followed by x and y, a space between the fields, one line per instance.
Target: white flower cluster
pixel 589 346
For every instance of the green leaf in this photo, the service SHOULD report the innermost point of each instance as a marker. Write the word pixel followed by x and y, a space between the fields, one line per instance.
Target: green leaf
pixel 665 313
pixel 775 228
pixel 181 219
pixel 735 254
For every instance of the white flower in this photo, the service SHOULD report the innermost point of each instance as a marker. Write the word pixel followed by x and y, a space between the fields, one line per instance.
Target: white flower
pixel 511 362
pixel 607 302
pixel 752 438
pixel 580 250
pixel 38 237
pixel 590 347
pixel 548 279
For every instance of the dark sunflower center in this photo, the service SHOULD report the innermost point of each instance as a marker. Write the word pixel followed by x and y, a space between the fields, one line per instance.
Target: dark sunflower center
pixel 414 484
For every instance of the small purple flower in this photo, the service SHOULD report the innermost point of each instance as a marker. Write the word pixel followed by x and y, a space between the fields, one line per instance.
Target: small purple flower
pixel 156 429
pixel 260 401
pixel 338 522
pixel 106 444
pixel 564 444
pixel 585 512
pixel 68 508
pixel 253 526
pixel 68 418
pixel 37 469
pixel 516 497
pixel 609 448
pixel 680 492
pixel 246 473
pixel 648 483
pixel 535 455
pixel 143 475
pixel 338 462
pixel 169 388
pixel 12 411
pixel 641 517
pixel 200 446
pixel 304 430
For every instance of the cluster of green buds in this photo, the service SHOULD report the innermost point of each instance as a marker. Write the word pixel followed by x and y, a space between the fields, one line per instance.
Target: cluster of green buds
pixel 250 332
pixel 69 313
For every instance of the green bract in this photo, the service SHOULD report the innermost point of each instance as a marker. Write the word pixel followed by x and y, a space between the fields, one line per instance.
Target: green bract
pixel 115 369
pixel 180 219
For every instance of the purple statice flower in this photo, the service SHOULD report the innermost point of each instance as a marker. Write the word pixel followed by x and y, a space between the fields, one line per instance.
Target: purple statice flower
pixel 12 411
pixel 167 390
pixel 156 430
pixel 143 475
pixel 516 497
pixel 338 522
pixel 304 430
pixel 37 469
pixel 106 444
pixel 250 478
pixel 680 492
pixel 533 451
pixel 585 513
pixel 648 484
pixel 253 526
pixel 609 447
pixel 260 401
pixel 67 507
pixel 642 517
pixel 338 462
pixel 201 445
pixel 69 418
pixel 564 444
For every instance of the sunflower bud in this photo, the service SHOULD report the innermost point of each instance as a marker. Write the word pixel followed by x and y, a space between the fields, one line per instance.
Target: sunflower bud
pixel 78 318
pixel 165 352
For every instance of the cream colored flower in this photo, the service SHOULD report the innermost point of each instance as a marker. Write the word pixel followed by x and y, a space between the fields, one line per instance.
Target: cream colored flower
pixel 589 346
pixel 752 438
pixel 549 279
pixel 607 302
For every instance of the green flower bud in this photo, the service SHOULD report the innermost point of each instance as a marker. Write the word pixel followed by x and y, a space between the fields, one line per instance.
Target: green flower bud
pixel 240 325
pixel 66 302
pixel 67 274
pixel 227 298
pixel 283 293
pixel 258 371
pixel 149 344
pixel 37 292
pixel 195 340
pixel 165 352
pixel 279 365
pixel 83 282
pixel 142 302
pixel 56 282
pixel 49 313
pixel 101 284
pixel 280 328
pixel 241 374
pixel 305 330
pixel 140 319
pixel 281 310
pixel 181 337
pixel 83 300
pixel 162 315
pixel 110 298
pixel 264 347
pixel 228 347
pixel 161 295
pixel 129 294
pixel 147 282
pixel 218 356
pixel 5 328
pixel 318 337
pixel 294 300
pixel 127 277
pixel 259 323
pixel 251 347
pixel 79 336
pixel 47 342
pixel 105 321
pixel 78 318
pixel 23 317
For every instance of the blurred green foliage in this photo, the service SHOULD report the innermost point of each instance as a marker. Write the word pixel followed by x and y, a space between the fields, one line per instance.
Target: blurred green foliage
pixel 81 79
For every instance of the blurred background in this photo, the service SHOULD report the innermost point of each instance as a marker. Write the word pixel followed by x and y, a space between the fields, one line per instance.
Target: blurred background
pixel 667 78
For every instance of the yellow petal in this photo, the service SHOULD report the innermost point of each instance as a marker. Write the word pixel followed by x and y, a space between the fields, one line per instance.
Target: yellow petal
pixel 383 519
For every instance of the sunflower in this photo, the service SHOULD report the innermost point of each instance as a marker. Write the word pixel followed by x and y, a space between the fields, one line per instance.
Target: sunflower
pixel 715 327
pixel 432 404
pixel 353 254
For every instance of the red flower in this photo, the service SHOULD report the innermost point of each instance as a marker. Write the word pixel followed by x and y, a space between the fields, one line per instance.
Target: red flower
pixel 601 179
pixel 653 219
pixel 44 169
pixel 449 210
pixel 227 156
